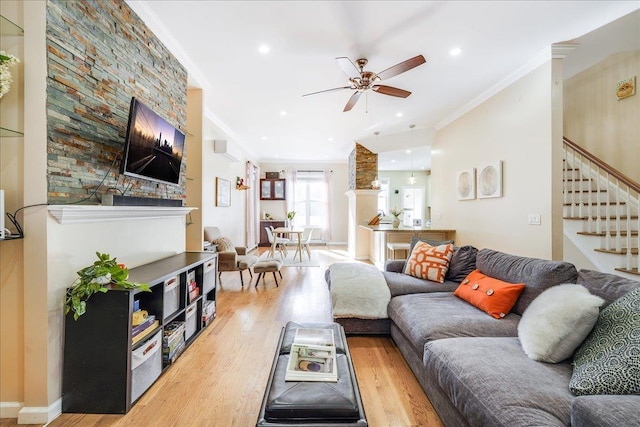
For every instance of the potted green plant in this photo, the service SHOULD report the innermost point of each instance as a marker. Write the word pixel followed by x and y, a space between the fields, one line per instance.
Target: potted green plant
pixel 103 275
pixel 290 216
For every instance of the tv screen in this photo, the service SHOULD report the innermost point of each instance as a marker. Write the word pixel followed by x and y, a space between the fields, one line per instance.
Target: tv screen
pixel 153 148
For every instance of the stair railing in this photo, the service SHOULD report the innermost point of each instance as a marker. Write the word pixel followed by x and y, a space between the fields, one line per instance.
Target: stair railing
pixel 620 209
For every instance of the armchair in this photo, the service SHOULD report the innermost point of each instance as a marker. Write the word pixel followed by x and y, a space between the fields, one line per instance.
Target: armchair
pixel 230 257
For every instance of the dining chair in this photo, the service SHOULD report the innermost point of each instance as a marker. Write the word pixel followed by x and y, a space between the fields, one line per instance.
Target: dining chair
pixel 280 243
pixel 307 234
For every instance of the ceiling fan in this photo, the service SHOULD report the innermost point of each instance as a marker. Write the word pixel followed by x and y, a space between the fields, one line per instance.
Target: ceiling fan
pixel 361 81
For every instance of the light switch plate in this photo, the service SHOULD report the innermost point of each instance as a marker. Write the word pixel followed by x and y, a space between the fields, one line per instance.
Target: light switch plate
pixel 534 219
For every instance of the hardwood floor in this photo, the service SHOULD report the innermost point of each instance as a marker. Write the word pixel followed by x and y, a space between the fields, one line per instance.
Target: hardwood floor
pixel 220 379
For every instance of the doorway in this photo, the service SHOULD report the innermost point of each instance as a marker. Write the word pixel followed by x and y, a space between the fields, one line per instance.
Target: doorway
pixel 413 205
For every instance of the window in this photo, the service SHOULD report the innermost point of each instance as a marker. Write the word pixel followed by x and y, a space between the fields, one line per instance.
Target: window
pixel 383 195
pixel 311 199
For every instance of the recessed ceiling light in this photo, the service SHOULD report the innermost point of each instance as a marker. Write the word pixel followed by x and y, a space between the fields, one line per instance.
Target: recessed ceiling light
pixel 393 160
pixel 264 49
pixel 330 139
pixel 408 151
pixel 264 138
pixel 283 113
pixel 399 114
pixel 455 51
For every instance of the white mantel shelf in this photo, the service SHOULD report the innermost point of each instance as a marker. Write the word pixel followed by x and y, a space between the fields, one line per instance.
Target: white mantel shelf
pixel 69 214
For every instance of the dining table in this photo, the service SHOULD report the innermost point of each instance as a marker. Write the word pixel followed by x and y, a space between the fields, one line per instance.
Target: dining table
pixel 287 231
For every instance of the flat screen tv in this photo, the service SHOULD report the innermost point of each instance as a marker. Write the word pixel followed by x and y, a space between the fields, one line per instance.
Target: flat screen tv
pixel 153 148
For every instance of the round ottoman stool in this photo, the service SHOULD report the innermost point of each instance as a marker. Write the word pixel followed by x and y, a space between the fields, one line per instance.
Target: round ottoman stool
pixel 265 266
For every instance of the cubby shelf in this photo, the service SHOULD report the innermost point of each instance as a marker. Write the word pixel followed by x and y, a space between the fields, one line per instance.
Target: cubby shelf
pixel 100 355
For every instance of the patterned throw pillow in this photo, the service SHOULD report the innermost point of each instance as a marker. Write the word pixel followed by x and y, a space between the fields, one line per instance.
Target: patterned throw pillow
pixel 608 361
pixel 493 296
pixel 429 262
pixel 225 245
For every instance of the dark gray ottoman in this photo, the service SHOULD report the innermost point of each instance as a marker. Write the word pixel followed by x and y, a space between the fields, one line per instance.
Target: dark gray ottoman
pixel 306 403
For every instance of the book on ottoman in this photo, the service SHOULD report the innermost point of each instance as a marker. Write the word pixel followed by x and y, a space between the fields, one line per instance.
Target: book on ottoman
pixel 312 356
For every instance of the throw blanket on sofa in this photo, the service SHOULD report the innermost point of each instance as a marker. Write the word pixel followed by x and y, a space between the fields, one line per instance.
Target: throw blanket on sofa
pixel 358 290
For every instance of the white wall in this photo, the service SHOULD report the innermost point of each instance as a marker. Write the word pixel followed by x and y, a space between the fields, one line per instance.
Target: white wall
pixel 230 220
pixel 339 201
pixel 514 126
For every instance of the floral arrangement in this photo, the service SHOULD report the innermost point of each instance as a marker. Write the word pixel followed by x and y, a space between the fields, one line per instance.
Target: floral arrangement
pixel 6 60
pixel 396 212
pixel 291 215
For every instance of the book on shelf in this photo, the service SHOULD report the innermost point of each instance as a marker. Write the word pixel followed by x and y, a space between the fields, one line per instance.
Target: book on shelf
pixel 169 359
pixel 145 332
pixel 312 356
pixel 173 330
pixel 144 325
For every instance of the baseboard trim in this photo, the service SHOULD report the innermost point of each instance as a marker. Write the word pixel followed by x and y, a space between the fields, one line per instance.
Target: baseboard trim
pixel 40 414
pixel 10 409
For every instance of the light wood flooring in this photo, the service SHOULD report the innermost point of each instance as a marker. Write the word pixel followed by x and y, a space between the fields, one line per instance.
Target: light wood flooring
pixel 220 379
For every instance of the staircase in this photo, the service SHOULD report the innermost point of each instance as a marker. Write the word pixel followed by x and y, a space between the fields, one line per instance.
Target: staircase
pixel 601 212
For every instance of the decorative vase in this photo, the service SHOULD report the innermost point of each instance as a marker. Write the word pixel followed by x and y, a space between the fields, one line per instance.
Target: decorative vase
pixel 396 222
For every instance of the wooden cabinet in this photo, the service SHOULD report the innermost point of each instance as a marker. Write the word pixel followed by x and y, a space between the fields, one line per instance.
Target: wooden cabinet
pixel 106 368
pixel 272 189
pixel 264 239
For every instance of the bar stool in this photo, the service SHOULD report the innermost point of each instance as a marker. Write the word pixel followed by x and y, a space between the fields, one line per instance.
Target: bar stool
pixel 392 247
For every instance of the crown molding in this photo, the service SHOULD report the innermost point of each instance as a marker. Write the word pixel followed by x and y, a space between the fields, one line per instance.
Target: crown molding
pixel 543 56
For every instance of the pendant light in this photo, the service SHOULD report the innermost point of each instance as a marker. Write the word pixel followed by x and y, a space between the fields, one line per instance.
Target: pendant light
pixel 375 184
pixel 412 179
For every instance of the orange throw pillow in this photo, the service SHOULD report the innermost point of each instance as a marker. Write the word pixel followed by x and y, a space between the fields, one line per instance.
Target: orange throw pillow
pixel 429 262
pixel 488 294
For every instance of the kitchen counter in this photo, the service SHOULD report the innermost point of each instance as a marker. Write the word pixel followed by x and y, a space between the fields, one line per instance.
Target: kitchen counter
pixel 382 234
pixel 404 229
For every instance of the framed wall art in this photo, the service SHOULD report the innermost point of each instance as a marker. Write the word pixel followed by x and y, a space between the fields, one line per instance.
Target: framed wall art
pixel 223 192
pixel 489 180
pixel 466 184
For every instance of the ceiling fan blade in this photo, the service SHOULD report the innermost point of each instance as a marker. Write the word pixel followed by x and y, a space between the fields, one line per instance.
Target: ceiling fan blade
pixel 393 91
pixel 352 101
pixel 329 90
pixel 402 67
pixel 348 67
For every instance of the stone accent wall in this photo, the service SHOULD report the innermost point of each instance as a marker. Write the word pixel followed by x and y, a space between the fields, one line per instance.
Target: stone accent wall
pixel 363 168
pixel 100 54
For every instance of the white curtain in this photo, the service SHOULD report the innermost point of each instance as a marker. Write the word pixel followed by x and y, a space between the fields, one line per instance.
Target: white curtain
pixel 326 227
pixel 290 189
pixel 252 175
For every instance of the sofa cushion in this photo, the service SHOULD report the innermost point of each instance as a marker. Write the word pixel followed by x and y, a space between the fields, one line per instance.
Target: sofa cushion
pixel 426 317
pixel 605 411
pixel 493 296
pixel 429 262
pixel 557 322
pixel 402 284
pixel 492 382
pixel 537 274
pixel 463 262
pixel 605 285
pixel 431 242
pixel 608 361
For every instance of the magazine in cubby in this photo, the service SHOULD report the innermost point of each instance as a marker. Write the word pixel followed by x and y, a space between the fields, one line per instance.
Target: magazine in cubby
pixel 312 356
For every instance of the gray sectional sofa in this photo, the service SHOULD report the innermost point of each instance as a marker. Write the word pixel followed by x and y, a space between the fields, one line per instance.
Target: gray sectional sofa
pixel 473 367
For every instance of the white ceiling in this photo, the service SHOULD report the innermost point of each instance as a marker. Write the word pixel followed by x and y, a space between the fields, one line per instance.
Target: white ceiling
pixel 245 91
